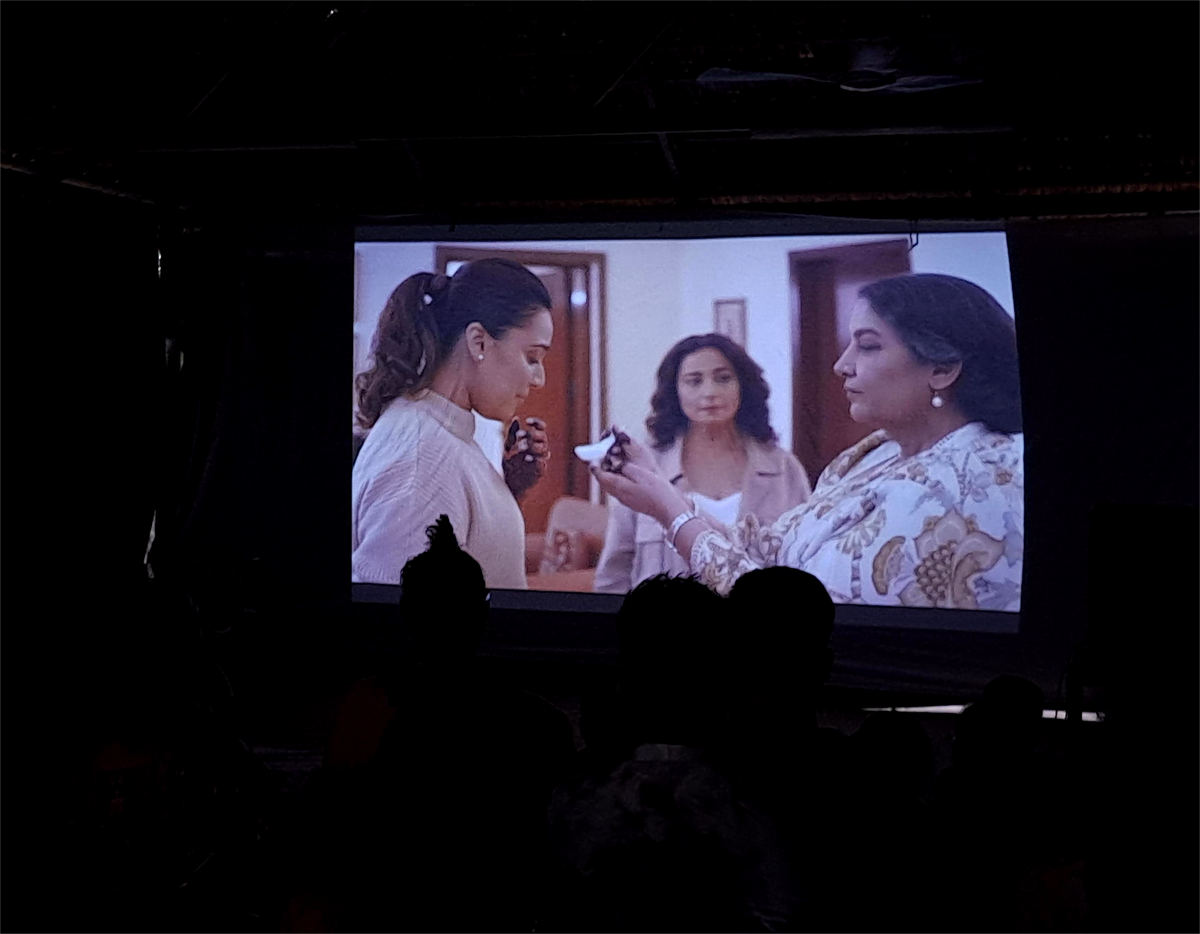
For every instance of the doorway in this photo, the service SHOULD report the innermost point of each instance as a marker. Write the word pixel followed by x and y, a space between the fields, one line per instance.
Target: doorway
pixel 825 284
pixel 571 402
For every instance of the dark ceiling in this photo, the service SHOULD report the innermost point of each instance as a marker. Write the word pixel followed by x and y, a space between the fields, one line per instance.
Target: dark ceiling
pixel 361 110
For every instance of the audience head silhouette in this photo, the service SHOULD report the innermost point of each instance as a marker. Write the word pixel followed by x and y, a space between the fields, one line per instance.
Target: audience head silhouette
pixel 893 750
pixel 443 597
pixel 1004 726
pixel 784 618
pixel 1020 701
pixel 671 683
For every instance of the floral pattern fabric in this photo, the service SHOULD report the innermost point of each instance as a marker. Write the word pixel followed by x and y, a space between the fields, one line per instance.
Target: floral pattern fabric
pixel 943 528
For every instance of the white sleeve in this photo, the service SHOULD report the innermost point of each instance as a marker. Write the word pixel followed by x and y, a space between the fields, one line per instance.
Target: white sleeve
pixel 395 512
pixel 614 571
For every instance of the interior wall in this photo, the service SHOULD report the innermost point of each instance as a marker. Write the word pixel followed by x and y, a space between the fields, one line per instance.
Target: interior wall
pixel 757 271
pixel 981 258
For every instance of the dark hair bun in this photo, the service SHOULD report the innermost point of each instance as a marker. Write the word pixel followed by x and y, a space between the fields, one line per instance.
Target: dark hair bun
pixel 441 536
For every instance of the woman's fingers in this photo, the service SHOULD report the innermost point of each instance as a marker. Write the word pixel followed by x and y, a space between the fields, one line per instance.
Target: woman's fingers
pixel 630 479
pixel 539 446
pixel 636 453
pixel 637 473
pixel 611 483
pixel 531 440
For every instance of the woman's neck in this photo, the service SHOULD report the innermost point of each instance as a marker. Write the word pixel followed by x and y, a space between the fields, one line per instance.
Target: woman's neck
pixel 917 436
pixel 723 438
pixel 713 460
pixel 448 382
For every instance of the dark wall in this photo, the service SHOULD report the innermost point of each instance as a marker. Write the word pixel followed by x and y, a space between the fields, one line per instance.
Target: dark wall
pixel 84 410
pixel 263 322
pixel 1108 322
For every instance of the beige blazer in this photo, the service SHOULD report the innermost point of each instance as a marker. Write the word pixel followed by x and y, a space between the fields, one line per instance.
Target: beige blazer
pixel 635 546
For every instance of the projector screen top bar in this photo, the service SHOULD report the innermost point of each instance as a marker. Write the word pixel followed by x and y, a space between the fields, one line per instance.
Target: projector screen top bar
pixel 753 225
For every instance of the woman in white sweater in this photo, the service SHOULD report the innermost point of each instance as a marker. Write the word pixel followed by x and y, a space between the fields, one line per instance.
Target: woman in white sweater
pixel 444 349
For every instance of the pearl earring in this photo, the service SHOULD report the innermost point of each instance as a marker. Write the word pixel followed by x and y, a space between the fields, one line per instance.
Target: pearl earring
pixel 936 401
pixel 481 356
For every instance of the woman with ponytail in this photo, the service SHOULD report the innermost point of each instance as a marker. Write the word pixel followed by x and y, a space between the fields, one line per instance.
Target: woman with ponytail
pixel 445 348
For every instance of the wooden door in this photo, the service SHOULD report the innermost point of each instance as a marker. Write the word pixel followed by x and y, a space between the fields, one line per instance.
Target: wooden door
pixel 564 403
pixel 551 403
pixel 825 286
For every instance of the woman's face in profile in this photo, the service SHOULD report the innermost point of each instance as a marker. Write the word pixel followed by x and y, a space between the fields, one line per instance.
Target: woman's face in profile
pixel 708 388
pixel 513 367
pixel 884 383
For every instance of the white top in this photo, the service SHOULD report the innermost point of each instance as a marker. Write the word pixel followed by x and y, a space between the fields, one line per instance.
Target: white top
pixel 420 461
pixel 635 546
pixel 490 436
pixel 724 510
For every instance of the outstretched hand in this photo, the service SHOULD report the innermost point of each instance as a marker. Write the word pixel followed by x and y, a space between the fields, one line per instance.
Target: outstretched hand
pixel 642 490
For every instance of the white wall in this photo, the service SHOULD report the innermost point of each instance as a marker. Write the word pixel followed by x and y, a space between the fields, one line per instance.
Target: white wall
pixel 756 270
pixel 380 267
pixel 981 258
pixel 659 291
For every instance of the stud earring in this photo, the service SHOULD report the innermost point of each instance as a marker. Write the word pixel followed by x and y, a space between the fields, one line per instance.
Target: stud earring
pixel 937 401
pixel 481 356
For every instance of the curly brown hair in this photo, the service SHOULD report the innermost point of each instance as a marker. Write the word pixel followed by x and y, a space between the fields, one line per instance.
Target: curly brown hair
pixel 427 314
pixel 667 421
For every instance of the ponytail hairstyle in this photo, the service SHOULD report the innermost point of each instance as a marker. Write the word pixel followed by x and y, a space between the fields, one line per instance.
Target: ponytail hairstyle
pixel 944 319
pixel 427 314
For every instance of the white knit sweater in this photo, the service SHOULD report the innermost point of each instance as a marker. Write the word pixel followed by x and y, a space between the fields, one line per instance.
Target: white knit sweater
pixel 419 461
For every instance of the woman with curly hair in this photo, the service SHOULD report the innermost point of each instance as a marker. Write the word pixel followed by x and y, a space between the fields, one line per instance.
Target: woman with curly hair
pixel 444 349
pixel 711 438
pixel 928 510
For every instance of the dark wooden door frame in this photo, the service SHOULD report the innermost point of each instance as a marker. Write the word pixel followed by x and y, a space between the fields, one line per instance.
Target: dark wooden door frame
pixel 808 344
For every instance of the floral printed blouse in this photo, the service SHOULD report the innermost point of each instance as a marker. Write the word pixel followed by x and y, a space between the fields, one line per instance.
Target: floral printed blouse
pixel 943 528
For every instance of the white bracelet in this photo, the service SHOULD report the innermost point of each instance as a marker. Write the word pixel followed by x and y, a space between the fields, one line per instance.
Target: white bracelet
pixel 680 521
